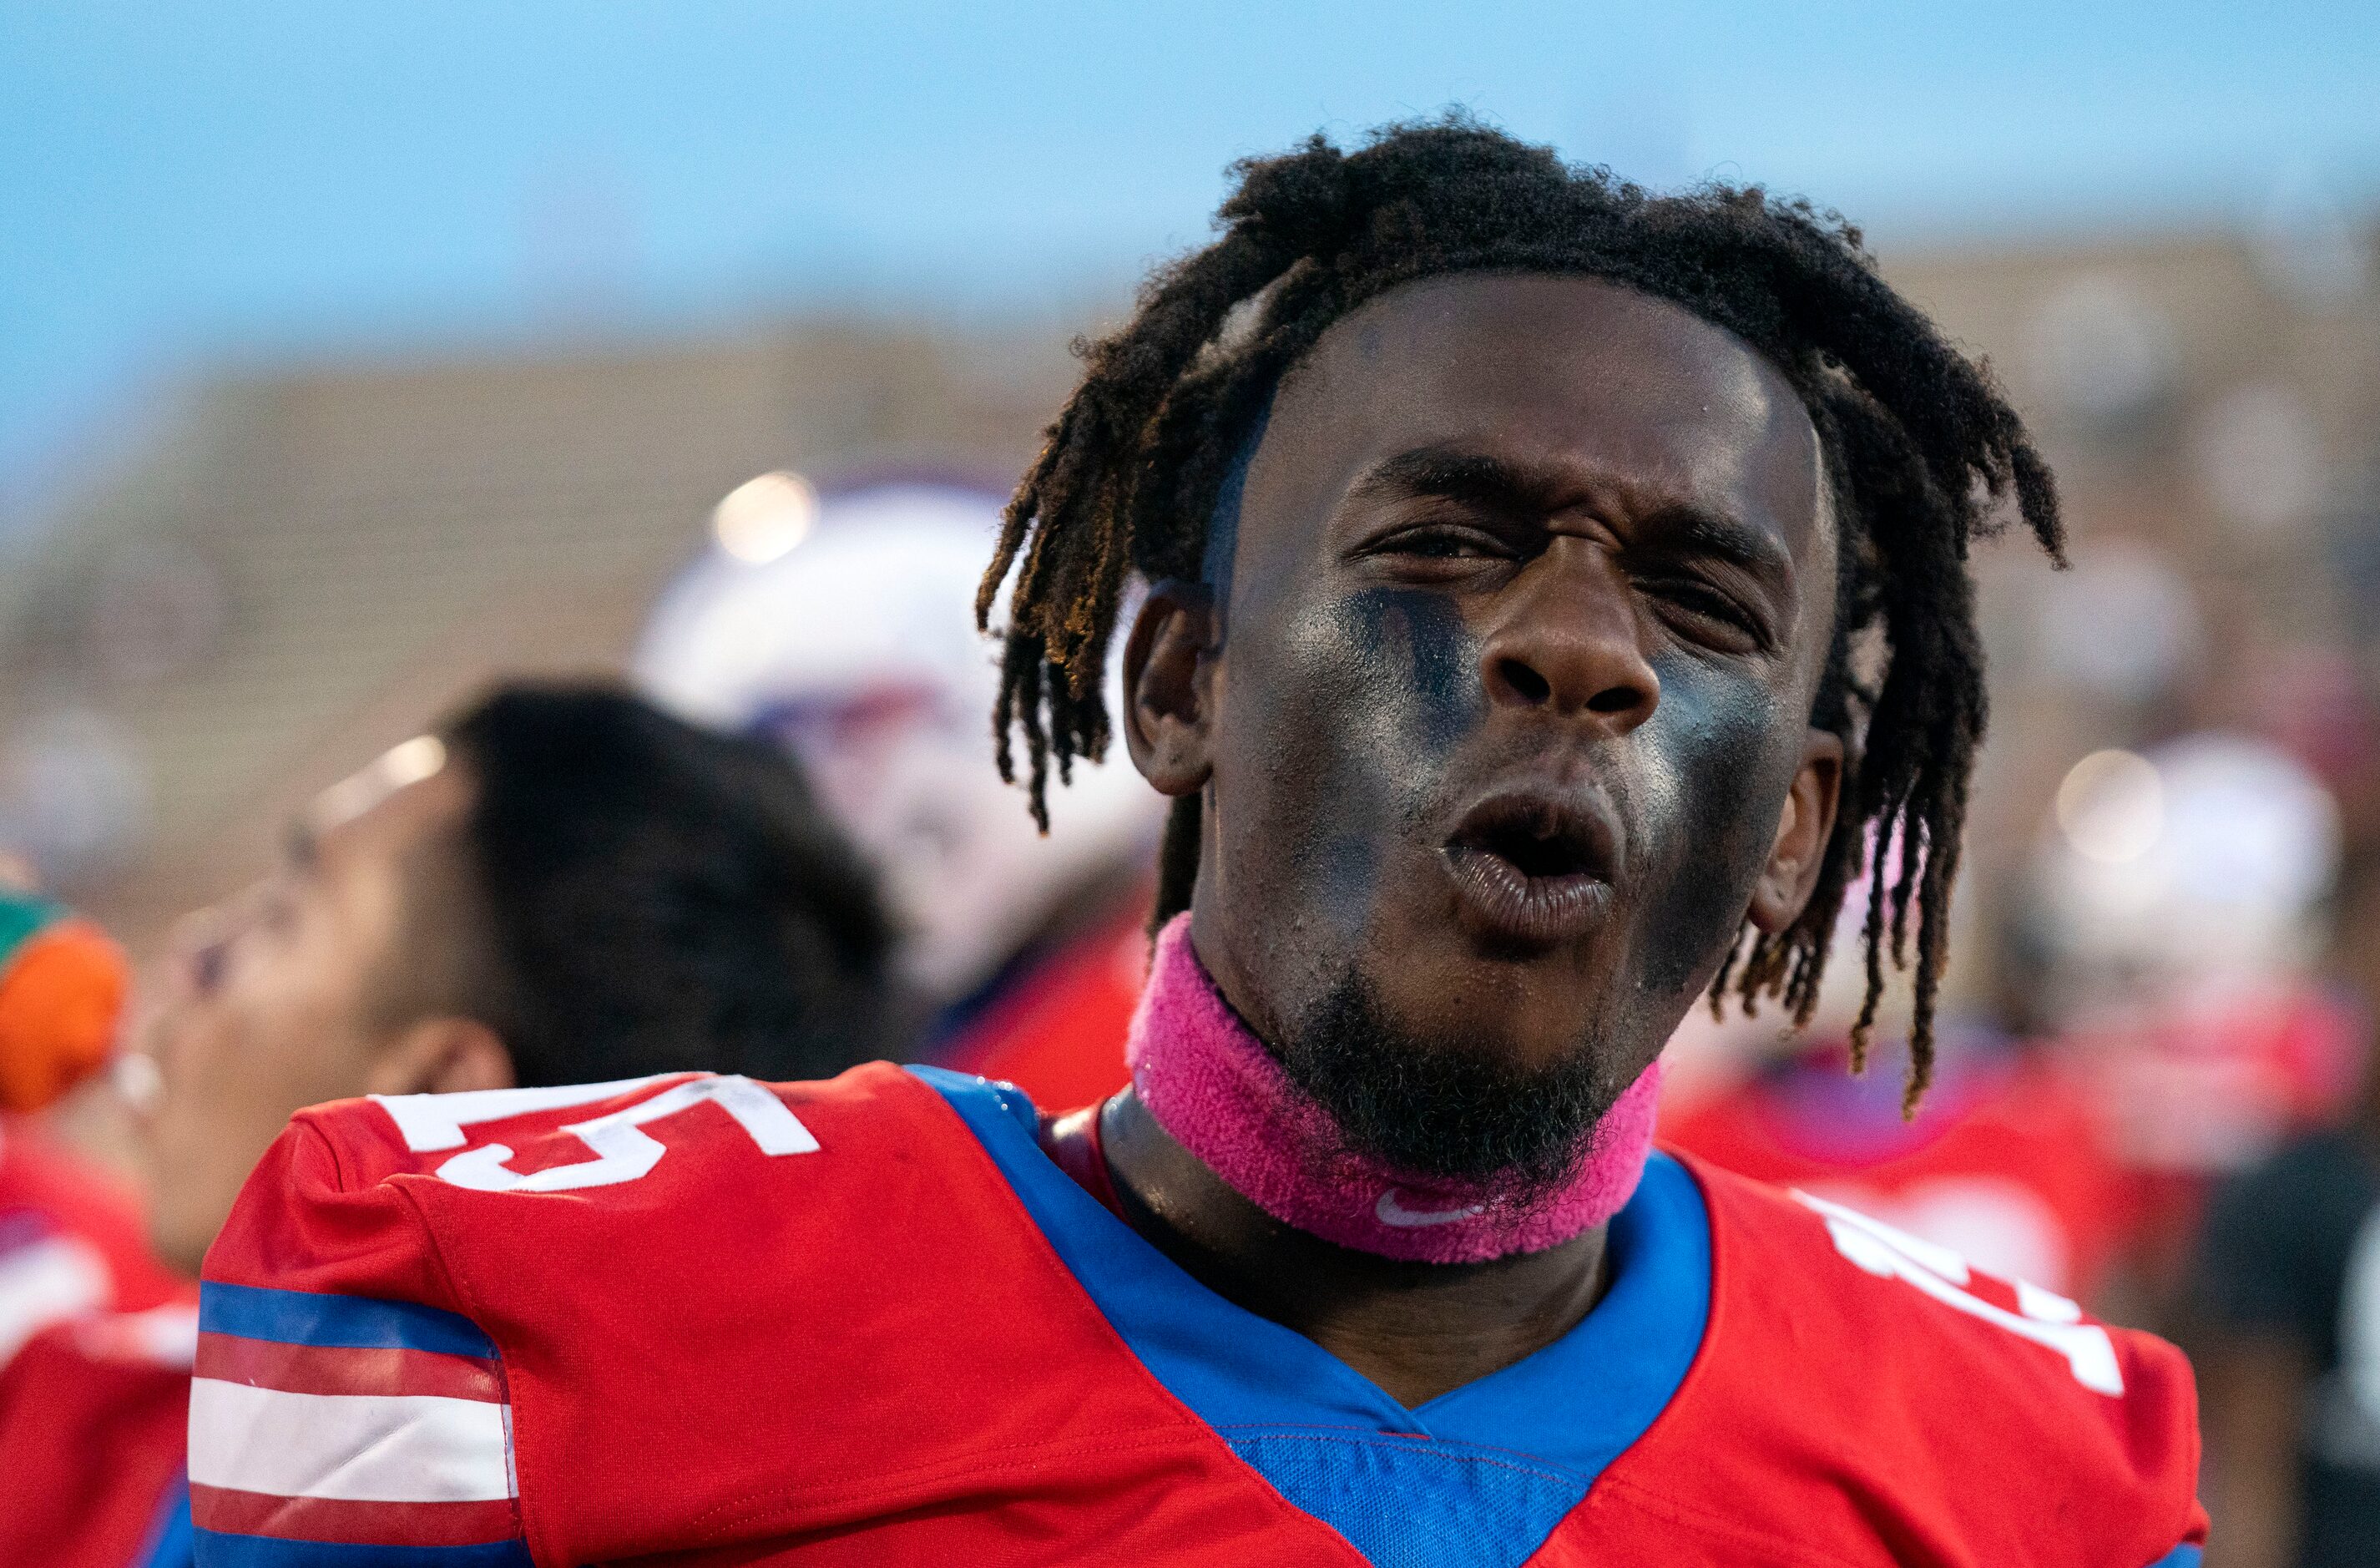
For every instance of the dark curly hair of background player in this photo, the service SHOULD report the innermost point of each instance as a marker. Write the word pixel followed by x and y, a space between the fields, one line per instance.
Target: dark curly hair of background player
pixel 1920 448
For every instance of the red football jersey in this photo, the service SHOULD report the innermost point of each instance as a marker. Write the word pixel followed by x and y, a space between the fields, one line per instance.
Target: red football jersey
pixel 93 1415
pixel 69 1240
pixel 698 1319
pixel 2003 1163
pixel 1057 1032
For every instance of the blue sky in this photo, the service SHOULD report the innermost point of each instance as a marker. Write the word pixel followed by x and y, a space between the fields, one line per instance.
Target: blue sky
pixel 183 185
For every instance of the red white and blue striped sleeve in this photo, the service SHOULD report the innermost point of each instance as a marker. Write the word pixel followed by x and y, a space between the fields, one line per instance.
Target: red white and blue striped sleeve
pixel 333 1423
pixel 324 1426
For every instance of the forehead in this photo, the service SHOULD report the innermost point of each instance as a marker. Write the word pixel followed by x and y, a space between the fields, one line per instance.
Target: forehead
pixel 1571 374
pixel 380 816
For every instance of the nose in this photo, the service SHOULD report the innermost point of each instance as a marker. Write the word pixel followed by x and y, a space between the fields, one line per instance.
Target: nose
pixel 1567 640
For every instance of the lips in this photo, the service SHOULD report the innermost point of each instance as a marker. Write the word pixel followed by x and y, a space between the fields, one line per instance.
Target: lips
pixel 1534 867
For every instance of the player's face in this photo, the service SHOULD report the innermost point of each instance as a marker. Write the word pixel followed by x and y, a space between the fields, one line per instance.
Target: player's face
pixel 1507 728
pixel 273 1000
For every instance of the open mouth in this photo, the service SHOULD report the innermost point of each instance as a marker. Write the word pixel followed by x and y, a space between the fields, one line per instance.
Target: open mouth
pixel 1535 844
pixel 1532 867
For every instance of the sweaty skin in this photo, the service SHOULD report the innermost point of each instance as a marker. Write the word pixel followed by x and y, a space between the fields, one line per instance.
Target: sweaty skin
pixel 1519 558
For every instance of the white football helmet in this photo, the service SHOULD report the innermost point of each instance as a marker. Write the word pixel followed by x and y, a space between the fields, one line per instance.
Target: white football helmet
pixel 857 649
pixel 2200 863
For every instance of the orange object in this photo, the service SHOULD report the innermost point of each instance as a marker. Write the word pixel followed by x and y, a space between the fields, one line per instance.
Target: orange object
pixel 61 999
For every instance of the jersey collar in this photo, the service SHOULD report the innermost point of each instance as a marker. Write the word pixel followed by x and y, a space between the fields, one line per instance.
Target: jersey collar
pixel 1573 1406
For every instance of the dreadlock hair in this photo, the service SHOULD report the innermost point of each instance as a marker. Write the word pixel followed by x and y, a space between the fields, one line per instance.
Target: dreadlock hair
pixel 1920 448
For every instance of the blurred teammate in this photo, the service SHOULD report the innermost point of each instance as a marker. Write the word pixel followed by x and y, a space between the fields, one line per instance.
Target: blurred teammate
pixel 1508 536
pixel 2288 1295
pixel 2183 895
pixel 2003 1163
pixel 560 884
pixel 855 651
pixel 69 1240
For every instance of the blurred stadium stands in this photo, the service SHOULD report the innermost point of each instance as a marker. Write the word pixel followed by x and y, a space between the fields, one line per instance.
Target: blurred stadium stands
pixel 305 564
pixel 301 564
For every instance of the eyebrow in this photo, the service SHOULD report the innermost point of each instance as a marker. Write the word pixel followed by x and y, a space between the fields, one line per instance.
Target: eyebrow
pixel 301 845
pixel 1503 485
pixel 1459 476
pixel 1729 538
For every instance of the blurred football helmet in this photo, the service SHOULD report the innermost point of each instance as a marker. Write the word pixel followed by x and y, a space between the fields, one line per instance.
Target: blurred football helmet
pixel 857 649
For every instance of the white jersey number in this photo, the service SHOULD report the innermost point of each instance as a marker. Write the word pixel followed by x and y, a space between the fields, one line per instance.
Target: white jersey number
pixel 624 1151
pixel 2044 1316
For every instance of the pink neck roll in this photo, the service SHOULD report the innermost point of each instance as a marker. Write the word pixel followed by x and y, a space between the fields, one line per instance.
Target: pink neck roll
pixel 1211 1084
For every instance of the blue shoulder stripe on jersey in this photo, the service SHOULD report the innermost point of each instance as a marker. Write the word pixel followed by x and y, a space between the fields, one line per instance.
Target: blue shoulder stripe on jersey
pixel 2184 1556
pixel 347 1322
pixel 1479 1476
pixel 1229 1366
pixel 217 1550
pixel 169 1544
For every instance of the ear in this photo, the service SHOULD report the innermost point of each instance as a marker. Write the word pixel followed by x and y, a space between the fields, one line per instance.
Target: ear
pixel 1168 686
pixel 1802 831
pixel 442 1055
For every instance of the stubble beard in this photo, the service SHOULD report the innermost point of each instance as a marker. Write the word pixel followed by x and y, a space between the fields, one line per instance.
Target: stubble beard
pixel 1452 1107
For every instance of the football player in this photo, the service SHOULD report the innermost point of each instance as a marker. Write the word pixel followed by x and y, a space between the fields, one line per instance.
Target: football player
pixel 561 883
pixel 1550 587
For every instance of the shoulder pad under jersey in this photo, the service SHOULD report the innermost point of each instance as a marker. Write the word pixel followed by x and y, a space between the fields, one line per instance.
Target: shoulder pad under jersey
pixel 463 1320
pixel 1959 1417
